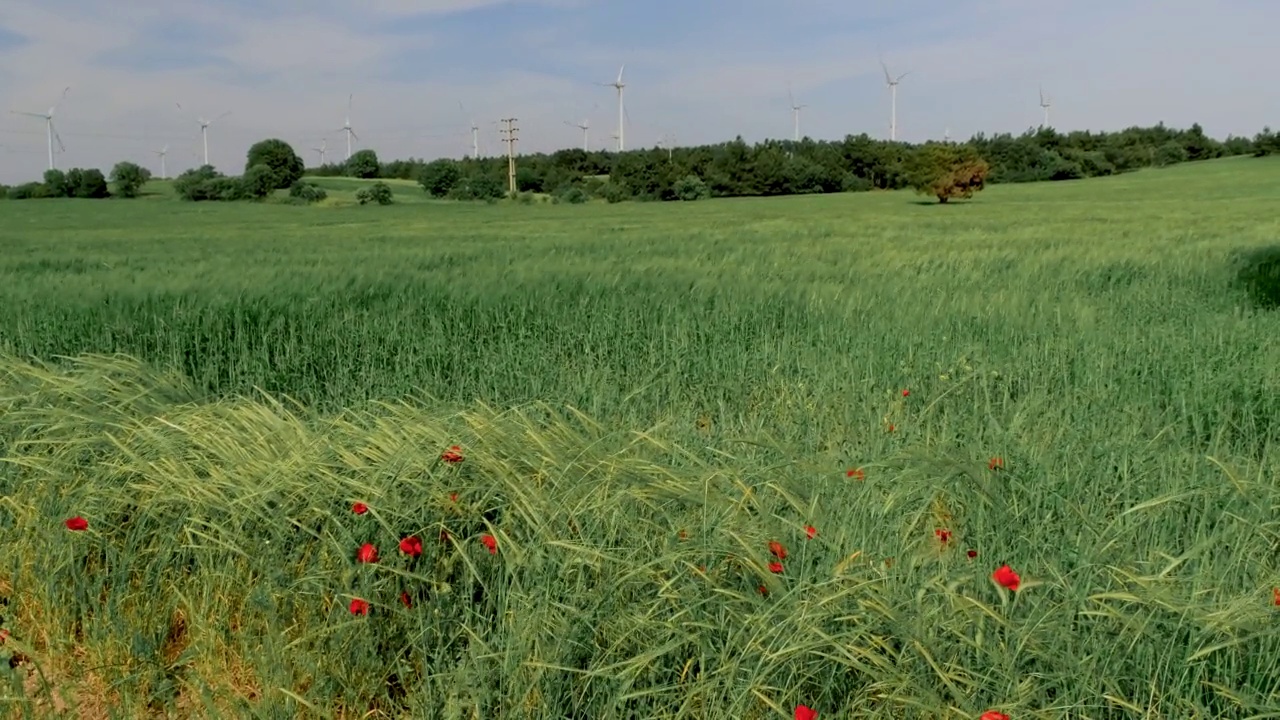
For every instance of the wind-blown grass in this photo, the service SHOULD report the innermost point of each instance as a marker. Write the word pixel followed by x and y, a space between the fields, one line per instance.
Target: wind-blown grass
pixel 633 410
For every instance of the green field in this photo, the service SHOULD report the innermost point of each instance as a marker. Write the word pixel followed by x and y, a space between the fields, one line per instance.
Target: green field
pixel 645 395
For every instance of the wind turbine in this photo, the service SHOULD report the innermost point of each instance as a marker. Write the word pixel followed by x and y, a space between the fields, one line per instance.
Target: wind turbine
pixel 946 135
pixel 48 120
pixel 324 147
pixel 585 127
pixel 475 134
pixel 795 113
pixel 892 82
pixel 346 128
pixel 204 130
pixel 621 112
pixel 162 152
pixel 1044 104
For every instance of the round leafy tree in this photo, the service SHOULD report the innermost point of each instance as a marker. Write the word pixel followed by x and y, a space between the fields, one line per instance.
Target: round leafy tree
pixel 278 155
pixel 363 164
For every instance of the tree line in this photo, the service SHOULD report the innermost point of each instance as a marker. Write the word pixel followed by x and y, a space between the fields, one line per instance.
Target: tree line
pixel 729 169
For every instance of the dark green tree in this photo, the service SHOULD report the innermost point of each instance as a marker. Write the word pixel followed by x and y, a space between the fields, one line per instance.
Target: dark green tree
pixel 279 156
pixel 439 177
pixel 258 182
pixel 363 164
pixel 55 183
pixel 129 178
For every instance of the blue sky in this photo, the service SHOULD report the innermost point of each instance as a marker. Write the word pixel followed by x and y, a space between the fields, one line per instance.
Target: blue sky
pixel 696 70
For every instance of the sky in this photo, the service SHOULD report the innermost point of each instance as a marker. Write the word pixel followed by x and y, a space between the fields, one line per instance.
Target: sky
pixel 697 71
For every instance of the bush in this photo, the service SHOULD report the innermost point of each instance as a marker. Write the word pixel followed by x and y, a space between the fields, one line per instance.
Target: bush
pixel 4 192
pixel 947 171
pixel 615 193
pixel 308 192
pixel 691 187
pixel 378 192
pixel 28 191
pixel 1259 273
pixel 258 182
pixel 86 183
pixel 573 195
pixel 363 164
pixel 55 184
pixel 279 156
pixel 129 178
pixel 854 183
pixel 479 187
pixel 1171 153
pixel 205 183
pixel 439 177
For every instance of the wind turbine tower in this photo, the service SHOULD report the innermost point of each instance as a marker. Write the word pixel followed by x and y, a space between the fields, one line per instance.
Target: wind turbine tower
pixel 795 114
pixel 48 121
pixel 324 148
pixel 1044 105
pixel 346 128
pixel 585 127
pixel 892 82
pixel 204 130
pixel 162 152
pixel 621 112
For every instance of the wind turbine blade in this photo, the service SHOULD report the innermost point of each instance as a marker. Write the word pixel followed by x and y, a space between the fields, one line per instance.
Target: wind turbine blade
pixel 31 114
pixel 354 136
pixel 887 77
pixel 61 97
pixel 221 116
pixel 624 67
pixel 791 97
pixel 58 137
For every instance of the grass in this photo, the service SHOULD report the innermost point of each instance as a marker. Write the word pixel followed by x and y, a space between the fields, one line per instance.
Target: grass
pixel 645 396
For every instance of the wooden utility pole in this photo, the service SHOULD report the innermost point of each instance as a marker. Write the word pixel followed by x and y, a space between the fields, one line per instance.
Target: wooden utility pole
pixel 509 137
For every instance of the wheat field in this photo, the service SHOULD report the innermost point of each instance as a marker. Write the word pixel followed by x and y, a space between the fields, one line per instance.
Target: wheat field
pixel 707 460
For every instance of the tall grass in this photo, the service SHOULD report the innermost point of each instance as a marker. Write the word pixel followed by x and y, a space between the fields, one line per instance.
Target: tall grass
pixel 645 397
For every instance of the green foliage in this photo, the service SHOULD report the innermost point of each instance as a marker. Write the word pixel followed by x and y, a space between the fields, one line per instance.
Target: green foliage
pixel 29 191
pixel 1258 271
pixel 205 183
pixel 478 187
pixel 1266 143
pixel 307 192
pixel 258 182
pixel 1171 153
pixel 4 191
pixel 439 177
pixel 573 195
pixel 129 178
pixel 280 157
pixel 55 184
pixel 363 164
pixel 691 187
pixel 379 193
pixel 947 171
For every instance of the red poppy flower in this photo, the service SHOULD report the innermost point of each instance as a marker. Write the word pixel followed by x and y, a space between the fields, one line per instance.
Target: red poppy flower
pixel 763 590
pixel 1007 577
pixel 367 553
pixel 4 635
pixel 993 715
pixel 411 546
pixel 490 542
pixel 683 534
pixel 775 567
pixel 892 427
pixel 359 508
pixel 452 455
pixel 804 712
pixel 776 550
pixel 1275 596
pixel 810 532
pixel 995 463
pixel 855 473
pixel 453 497
pixel 905 392
pixel 77 524
pixel 359 607
pixel 406 600
pixel 972 554
pixel 943 535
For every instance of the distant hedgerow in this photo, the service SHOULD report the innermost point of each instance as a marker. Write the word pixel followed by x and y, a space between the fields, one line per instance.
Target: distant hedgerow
pixel 1259 273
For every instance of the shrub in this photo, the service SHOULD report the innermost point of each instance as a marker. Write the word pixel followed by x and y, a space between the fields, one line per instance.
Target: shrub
pixel 258 182
pixel 129 178
pixel 947 171
pixel 4 191
pixel 86 183
pixel 1259 273
pixel 439 177
pixel 691 187
pixel 28 191
pixel 573 195
pixel 525 198
pixel 1171 153
pixel 615 193
pixel 363 164
pixel 279 156
pixel 854 183
pixel 205 183
pixel 378 192
pixel 308 192
pixel 479 187
pixel 55 184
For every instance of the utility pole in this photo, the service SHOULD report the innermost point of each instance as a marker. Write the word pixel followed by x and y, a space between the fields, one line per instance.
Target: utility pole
pixel 509 137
